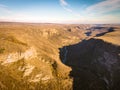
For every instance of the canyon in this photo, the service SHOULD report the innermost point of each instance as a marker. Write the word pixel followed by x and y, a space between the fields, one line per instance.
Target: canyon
pixel 48 56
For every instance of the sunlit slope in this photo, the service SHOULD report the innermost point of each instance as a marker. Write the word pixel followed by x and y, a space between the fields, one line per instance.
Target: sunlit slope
pixel 29 55
pixel 112 37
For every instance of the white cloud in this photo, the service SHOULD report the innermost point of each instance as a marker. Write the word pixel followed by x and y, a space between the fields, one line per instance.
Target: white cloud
pixel 4 9
pixel 63 2
pixel 65 5
pixel 98 8
pixel 104 7
pixel 67 9
pixel 1 5
pixel 92 12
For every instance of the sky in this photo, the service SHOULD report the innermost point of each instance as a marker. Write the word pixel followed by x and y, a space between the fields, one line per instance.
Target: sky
pixel 61 11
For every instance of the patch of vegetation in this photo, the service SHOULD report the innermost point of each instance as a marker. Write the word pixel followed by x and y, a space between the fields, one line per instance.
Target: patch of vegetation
pixel 2 50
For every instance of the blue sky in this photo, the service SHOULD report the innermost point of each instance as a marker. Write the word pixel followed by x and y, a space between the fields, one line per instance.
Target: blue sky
pixel 60 11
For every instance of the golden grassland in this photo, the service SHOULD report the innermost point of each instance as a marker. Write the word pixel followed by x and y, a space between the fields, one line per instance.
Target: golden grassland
pixel 24 71
pixel 112 37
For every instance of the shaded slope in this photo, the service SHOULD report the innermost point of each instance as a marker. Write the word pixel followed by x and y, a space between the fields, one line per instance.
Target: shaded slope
pixel 95 65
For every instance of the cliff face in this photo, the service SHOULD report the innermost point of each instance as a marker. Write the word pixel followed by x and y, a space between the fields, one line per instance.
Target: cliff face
pixel 95 64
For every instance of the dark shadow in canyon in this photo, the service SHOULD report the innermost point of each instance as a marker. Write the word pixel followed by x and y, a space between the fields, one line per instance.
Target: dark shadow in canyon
pixel 95 64
pixel 111 29
pixel 100 30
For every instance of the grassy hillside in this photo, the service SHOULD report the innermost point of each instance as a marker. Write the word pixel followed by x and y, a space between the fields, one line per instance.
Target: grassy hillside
pixel 29 56
pixel 112 37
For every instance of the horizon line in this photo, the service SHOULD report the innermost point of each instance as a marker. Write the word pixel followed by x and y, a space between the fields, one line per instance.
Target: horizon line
pixel 50 22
